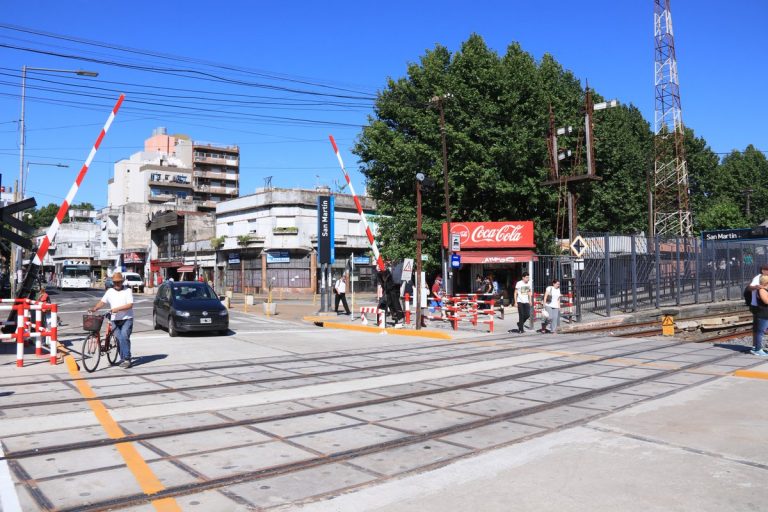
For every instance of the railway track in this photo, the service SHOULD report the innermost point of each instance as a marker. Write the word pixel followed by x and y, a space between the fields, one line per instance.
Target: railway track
pixel 408 437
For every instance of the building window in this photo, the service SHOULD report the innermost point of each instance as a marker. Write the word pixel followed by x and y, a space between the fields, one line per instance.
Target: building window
pixel 285 222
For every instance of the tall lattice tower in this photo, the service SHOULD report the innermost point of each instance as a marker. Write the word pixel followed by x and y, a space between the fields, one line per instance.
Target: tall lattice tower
pixel 670 211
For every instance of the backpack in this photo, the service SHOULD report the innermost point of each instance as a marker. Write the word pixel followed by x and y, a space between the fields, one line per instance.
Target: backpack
pixel 747 295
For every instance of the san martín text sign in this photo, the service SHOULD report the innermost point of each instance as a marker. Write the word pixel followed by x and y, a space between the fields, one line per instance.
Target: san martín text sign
pixel 733 235
pixel 325 248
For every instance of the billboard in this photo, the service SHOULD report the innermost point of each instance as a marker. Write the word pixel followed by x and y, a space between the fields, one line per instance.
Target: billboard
pixel 325 247
pixel 491 235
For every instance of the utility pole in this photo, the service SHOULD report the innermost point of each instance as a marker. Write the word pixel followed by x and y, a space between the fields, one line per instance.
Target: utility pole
pixel 419 238
pixel 748 193
pixel 447 253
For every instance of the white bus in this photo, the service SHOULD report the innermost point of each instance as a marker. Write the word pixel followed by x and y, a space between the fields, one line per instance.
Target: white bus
pixel 75 277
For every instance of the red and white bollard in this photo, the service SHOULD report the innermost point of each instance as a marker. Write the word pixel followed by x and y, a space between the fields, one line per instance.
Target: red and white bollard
pixel 408 308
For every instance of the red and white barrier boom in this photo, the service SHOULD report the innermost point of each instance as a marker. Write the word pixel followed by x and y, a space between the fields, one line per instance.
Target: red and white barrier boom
pixel 22 306
pixel 374 248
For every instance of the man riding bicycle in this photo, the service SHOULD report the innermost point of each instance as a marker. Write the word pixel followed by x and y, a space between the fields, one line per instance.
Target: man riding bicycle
pixel 120 301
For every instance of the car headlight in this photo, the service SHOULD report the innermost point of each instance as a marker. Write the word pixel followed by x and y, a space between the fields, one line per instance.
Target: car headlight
pixel 223 312
pixel 185 314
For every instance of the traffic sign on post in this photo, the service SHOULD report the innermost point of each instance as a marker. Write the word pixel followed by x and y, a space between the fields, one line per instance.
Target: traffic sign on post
pixel 407 269
pixel 455 242
pixel 455 261
pixel 578 246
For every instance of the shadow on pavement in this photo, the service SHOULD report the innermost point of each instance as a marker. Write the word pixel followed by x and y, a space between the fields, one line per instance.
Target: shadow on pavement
pixel 141 360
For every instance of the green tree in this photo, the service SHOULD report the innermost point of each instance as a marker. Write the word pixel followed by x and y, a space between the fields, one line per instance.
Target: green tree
pixel 722 213
pixel 496 123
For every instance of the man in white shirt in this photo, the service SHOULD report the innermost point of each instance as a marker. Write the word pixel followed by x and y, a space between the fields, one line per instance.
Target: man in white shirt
pixel 341 294
pixel 523 292
pixel 120 302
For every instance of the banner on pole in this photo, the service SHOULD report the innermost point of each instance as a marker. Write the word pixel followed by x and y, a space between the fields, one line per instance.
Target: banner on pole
pixel 325 247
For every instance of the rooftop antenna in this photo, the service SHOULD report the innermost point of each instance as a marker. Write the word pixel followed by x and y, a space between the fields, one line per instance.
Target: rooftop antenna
pixel 268 183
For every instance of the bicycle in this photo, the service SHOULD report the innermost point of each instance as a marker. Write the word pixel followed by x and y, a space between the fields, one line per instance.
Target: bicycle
pixel 94 345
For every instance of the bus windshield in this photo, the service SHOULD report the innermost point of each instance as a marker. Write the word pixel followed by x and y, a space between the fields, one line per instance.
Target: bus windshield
pixel 77 271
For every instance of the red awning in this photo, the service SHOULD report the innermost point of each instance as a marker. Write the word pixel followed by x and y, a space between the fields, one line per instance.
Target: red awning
pixel 497 256
pixel 185 268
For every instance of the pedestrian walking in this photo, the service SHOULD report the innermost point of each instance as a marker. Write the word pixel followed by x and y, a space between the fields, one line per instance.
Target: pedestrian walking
pixel 340 290
pixel 760 318
pixel 522 300
pixel 755 284
pixel 437 296
pixel 120 302
pixel 392 294
pixel 552 307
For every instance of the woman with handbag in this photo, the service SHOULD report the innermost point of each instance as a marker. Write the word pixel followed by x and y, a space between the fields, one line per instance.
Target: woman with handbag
pixel 551 313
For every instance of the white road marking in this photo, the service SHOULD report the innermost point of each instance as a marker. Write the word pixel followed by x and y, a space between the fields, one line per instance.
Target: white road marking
pixel 9 500
pixel 16 426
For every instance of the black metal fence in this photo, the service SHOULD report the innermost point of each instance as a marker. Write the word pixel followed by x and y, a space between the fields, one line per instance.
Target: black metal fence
pixel 626 273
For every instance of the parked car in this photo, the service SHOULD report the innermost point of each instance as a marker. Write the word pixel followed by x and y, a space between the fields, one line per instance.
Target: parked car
pixel 134 281
pixel 108 283
pixel 188 306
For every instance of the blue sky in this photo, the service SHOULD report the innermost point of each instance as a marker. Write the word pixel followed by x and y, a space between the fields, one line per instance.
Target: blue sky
pixel 345 48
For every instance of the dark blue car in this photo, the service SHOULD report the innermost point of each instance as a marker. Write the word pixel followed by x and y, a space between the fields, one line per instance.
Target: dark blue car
pixel 189 306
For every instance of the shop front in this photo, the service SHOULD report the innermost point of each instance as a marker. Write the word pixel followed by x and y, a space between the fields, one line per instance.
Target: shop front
pixel 504 250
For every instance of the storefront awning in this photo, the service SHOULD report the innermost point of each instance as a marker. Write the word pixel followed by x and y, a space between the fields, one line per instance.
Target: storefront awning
pixel 519 256
pixel 186 268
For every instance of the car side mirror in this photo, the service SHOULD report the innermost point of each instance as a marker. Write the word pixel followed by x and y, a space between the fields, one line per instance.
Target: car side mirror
pixel 221 297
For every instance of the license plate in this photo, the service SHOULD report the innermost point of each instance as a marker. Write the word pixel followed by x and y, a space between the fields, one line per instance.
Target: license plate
pixel 205 320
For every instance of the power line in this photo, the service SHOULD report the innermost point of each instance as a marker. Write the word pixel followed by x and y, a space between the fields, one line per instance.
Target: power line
pixel 186 73
pixel 177 58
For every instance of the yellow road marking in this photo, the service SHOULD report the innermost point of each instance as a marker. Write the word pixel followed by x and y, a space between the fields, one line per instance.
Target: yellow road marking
pixel 144 475
pixel 398 332
pixel 751 374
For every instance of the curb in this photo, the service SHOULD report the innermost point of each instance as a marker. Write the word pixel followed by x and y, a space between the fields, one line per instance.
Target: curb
pixel 377 330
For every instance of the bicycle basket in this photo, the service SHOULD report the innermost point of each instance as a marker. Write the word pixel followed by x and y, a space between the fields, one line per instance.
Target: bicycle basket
pixel 92 323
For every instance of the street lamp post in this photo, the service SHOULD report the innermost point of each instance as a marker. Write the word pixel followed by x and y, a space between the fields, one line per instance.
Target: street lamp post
pixel 26 175
pixel 439 101
pixel 19 194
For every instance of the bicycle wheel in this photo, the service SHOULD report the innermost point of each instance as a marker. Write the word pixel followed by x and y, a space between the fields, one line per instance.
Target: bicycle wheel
pixel 91 353
pixel 112 349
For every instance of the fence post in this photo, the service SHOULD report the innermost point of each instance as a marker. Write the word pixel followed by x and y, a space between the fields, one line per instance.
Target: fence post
pixel 634 274
pixel 728 271
pixel 607 275
pixel 658 270
pixel 713 274
pixel 697 272
pixel 677 271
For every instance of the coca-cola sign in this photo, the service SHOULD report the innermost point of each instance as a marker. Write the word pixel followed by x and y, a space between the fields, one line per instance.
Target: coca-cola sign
pixel 479 235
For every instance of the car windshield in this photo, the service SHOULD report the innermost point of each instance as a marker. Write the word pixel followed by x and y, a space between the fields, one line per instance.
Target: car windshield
pixel 192 292
pixel 132 278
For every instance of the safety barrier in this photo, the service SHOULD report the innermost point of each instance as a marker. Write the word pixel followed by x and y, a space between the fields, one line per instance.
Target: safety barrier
pixel 372 309
pixel 37 329
pixel 464 308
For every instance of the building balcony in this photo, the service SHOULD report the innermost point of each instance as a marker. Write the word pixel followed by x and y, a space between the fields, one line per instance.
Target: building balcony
pixel 211 160
pixel 170 183
pixel 286 230
pixel 216 175
pixel 162 198
pixel 210 189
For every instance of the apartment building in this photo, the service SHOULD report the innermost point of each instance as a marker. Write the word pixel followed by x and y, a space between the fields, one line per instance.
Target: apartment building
pixel 172 173
pixel 280 226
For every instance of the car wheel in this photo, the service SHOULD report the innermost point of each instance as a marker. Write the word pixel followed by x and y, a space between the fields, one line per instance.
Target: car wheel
pixel 172 332
pixel 155 324
pixel 141 289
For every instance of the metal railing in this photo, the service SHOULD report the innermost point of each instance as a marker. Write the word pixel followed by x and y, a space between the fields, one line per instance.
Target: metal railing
pixel 630 273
